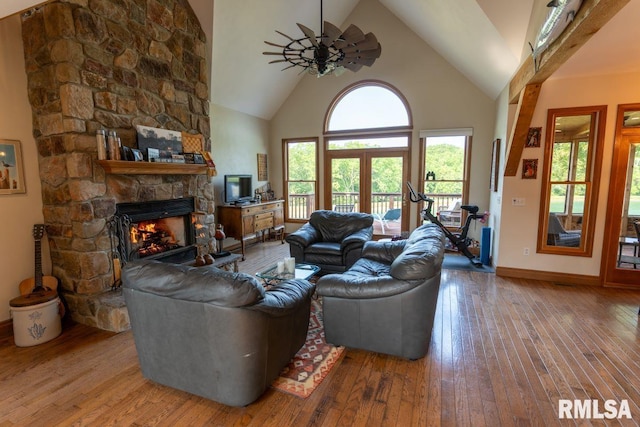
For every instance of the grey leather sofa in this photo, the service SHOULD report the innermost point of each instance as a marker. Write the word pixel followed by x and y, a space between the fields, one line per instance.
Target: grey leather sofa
pixel 331 240
pixel 386 301
pixel 214 333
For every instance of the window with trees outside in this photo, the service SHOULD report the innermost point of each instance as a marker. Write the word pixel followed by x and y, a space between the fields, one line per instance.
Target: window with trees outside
pixel 445 172
pixel 568 177
pixel 367 137
pixel 301 178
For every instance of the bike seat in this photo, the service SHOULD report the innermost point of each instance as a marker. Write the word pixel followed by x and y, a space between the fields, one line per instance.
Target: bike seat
pixel 470 208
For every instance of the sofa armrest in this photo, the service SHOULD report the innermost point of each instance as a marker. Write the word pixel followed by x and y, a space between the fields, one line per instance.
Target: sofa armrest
pixel 358 238
pixel 353 286
pixel 304 236
pixel 384 252
pixel 285 297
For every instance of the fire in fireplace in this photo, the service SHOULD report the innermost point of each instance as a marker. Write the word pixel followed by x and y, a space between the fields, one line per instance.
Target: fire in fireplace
pixel 162 230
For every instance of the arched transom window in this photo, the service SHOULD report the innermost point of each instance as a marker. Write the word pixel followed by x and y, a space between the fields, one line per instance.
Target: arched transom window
pixel 368 105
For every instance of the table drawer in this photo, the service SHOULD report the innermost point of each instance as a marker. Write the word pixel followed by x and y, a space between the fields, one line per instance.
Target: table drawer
pixel 263 224
pixel 262 216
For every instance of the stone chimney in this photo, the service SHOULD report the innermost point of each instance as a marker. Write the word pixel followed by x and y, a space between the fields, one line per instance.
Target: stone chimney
pixel 110 64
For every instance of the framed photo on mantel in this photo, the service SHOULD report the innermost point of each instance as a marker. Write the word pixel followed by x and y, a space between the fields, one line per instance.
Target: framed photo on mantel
pixel 11 170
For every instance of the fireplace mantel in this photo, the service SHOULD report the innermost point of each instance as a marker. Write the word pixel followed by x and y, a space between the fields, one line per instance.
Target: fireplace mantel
pixel 122 167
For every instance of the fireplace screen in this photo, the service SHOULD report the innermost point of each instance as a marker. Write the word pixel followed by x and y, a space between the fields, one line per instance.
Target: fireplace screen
pixel 160 230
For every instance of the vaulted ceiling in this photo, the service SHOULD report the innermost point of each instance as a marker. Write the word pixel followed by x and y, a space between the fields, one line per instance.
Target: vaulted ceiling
pixel 484 39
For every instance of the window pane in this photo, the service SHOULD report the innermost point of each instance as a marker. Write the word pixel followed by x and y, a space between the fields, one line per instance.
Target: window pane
pixel 444 156
pixel 558 199
pixel 632 119
pixel 301 201
pixel 350 143
pixel 634 190
pixel 368 107
pixel 565 198
pixel 560 161
pixel 581 161
pixel 345 184
pixel 302 161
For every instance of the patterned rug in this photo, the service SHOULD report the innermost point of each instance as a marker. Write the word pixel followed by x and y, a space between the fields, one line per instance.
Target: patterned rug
pixel 313 361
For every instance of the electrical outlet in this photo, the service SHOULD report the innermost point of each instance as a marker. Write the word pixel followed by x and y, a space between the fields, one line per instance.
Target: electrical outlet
pixel 525 251
pixel 518 201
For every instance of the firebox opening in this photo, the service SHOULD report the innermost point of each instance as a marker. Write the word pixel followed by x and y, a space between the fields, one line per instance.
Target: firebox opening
pixel 157 236
pixel 162 230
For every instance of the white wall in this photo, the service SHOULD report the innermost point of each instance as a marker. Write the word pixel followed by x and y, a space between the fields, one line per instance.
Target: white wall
pixel 519 224
pixel 236 140
pixel 19 212
pixel 439 97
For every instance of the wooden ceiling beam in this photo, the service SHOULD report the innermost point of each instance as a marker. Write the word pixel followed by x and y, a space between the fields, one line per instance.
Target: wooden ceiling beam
pixel 526 107
pixel 524 87
pixel 592 16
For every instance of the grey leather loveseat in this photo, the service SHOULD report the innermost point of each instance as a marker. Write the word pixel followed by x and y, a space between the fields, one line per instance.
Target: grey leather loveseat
pixel 386 301
pixel 214 333
pixel 331 240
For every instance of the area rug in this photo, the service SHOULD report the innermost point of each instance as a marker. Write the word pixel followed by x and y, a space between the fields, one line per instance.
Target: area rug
pixel 460 262
pixel 312 363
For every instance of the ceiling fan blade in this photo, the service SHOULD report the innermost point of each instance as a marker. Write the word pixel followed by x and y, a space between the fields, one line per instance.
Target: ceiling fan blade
pixel 309 33
pixel 278 60
pixel 331 33
pixel 275 44
pixel 351 35
pixel 283 34
pixel 370 42
pixel 364 61
pixel 372 53
pixel 351 66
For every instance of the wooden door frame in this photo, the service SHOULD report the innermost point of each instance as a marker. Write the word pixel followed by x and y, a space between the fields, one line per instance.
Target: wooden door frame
pixel 610 274
pixel 363 155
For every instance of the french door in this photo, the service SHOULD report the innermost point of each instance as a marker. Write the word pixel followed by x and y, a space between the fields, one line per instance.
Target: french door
pixel 622 252
pixel 371 181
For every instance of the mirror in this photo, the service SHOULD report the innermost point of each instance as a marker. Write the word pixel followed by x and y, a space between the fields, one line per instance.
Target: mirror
pixel 570 180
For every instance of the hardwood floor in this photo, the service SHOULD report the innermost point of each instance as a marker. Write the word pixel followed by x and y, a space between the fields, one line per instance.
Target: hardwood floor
pixel 503 352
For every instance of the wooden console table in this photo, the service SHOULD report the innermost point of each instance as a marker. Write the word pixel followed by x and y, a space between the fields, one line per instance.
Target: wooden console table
pixel 246 222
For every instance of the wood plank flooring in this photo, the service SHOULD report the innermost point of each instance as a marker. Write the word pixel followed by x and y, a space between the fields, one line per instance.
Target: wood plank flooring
pixel 503 352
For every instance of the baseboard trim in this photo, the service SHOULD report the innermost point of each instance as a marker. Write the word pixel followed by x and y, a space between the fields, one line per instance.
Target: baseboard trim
pixel 6 328
pixel 549 276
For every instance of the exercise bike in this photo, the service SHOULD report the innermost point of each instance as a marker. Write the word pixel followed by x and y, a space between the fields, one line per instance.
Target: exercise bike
pixel 458 239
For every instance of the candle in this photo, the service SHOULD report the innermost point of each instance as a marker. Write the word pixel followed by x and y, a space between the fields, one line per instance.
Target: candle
pixel 290 265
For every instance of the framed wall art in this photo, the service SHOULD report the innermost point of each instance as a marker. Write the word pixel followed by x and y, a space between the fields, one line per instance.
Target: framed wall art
pixel 11 169
pixel 533 137
pixel 263 175
pixel 529 168
pixel 495 165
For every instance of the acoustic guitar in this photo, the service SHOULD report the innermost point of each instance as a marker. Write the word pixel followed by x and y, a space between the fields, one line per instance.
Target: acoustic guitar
pixel 38 283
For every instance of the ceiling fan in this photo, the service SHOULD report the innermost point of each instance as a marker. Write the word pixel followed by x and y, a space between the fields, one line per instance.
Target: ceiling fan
pixel 330 53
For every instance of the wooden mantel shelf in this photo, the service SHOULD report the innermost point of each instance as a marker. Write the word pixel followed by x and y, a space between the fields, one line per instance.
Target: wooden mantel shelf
pixel 121 167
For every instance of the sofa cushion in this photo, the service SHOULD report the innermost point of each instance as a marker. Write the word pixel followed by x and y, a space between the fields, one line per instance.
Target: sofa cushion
pixel 198 284
pixel 324 248
pixel 335 226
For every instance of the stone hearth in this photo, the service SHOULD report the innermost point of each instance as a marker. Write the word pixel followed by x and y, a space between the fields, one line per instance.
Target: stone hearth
pixel 110 64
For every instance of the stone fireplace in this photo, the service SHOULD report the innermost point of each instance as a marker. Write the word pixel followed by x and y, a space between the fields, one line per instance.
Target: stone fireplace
pixel 110 64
